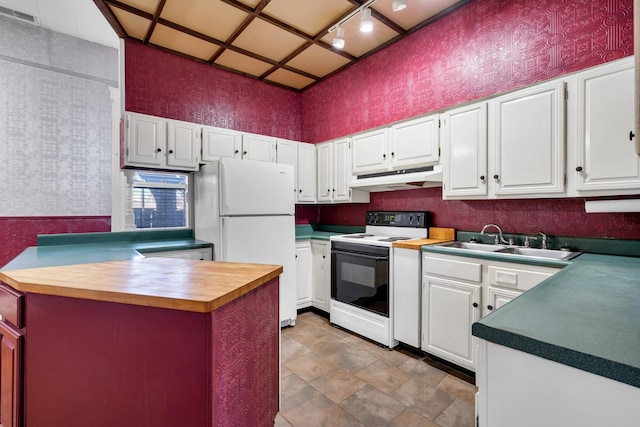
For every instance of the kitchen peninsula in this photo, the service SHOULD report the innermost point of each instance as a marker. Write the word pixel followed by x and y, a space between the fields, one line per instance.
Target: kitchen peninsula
pixel 144 342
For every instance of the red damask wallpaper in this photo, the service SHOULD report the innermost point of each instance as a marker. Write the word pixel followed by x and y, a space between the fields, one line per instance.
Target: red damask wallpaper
pixel 479 49
pixel 18 233
pixel 167 85
pixel 484 47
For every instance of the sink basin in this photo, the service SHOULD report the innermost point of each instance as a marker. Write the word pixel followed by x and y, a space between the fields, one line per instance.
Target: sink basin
pixel 473 246
pixel 540 253
pixel 512 250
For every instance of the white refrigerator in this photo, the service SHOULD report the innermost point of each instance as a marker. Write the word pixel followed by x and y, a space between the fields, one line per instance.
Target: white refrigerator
pixel 246 209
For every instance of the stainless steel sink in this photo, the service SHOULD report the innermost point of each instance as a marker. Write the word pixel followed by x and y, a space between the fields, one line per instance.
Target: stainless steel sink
pixel 473 246
pixel 548 254
pixel 540 253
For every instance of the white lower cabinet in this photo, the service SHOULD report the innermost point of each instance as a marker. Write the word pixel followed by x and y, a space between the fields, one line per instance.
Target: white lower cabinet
pixel 203 254
pixel 457 291
pixel 321 253
pixel 450 308
pixel 304 274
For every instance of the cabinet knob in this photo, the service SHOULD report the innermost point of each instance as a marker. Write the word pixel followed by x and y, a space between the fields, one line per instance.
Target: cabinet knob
pixel 579 169
pixel 496 176
pixel 158 149
pixel 170 151
pixel 244 152
pixel 324 256
pixel 333 190
pixel 481 177
pixel 300 191
pixel 393 154
pixel 631 135
pixel 475 304
pixel 490 307
pixel 236 152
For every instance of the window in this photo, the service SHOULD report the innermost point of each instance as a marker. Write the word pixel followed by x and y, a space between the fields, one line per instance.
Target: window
pixel 159 200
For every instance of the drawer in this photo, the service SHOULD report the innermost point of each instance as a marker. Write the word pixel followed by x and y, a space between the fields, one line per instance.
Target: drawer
pixel 515 278
pixel 471 271
pixel 11 306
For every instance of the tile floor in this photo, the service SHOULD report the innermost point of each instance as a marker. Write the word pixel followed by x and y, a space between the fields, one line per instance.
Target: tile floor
pixel 333 378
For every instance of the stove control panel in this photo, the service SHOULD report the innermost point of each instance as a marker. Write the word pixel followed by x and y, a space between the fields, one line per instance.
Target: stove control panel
pixel 398 218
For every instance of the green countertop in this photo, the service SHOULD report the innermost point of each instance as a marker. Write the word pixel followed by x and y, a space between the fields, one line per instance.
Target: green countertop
pixel 586 316
pixel 66 249
pixel 324 232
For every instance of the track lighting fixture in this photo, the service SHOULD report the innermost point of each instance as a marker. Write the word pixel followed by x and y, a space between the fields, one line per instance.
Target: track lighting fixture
pixel 338 41
pixel 398 5
pixel 366 24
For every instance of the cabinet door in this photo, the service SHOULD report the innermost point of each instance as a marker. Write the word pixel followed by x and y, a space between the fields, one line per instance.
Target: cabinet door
pixel 499 297
pixel 258 147
pixel 306 172
pixel 287 154
pixel 370 152
pixel 415 143
pixel 11 375
pixel 325 168
pixel 449 310
pixel 304 274
pixel 146 140
pixel 321 274
pixel 340 190
pixel 605 152
pixel 465 151
pixel 529 137
pixel 217 143
pixel 204 254
pixel 183 145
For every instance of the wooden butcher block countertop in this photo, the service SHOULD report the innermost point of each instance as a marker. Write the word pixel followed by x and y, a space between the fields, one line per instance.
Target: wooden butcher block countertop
pixel 199 286
pixel 436 235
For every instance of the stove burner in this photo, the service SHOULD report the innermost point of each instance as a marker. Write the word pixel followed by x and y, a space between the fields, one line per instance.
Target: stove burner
pixel 393 239
pixel 357 236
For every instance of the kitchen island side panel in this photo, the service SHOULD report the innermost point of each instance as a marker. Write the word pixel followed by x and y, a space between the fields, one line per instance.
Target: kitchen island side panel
pixel 105 364
pixel 99 364
pixel 246 359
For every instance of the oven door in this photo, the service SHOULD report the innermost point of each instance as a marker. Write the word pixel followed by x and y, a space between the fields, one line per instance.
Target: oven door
pixel 360 276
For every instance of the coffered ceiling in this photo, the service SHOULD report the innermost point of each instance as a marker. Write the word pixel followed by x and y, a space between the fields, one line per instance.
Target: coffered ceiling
pixel 283 42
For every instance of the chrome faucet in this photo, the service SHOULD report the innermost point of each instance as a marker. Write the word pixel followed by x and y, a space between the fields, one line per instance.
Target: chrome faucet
pixel 543 245
pixel 499 237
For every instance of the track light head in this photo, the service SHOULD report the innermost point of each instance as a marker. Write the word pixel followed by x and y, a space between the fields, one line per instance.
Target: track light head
pixel 366 24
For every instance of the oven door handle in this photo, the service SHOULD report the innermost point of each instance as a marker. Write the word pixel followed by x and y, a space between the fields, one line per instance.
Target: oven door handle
pixel 361 255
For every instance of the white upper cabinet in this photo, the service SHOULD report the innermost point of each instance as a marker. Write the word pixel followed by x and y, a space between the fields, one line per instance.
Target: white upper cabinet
pixel 153 142
pixel 325 169
pixel 414 143
pixel 258 147
pixel 306 173
pixel 302 157
pixel 605 156
pixel 341 170
pixel 465 151
pixel 183 145
pixel 217 143
pixel 370 151
pixel 146 140
pixel 287 152
pixel 409 144
pixel 528 135
pixel 334 173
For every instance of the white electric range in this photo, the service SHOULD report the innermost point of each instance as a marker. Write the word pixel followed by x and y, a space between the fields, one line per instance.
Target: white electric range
pixel 362 273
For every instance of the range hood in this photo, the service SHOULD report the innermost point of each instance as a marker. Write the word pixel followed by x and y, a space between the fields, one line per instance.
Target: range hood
pixel 406 179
